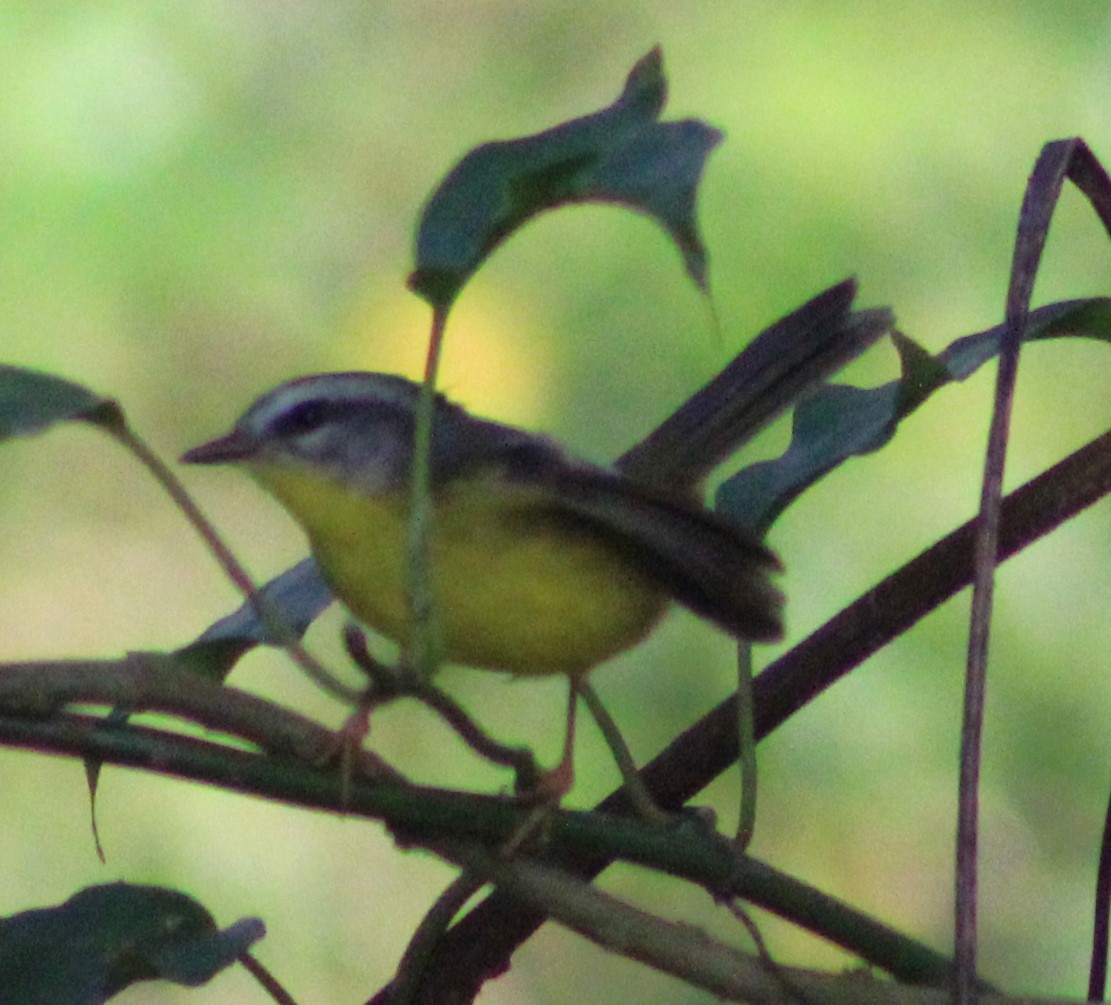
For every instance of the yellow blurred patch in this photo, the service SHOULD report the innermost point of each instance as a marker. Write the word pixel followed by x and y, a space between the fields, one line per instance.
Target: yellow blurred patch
pixel 494 362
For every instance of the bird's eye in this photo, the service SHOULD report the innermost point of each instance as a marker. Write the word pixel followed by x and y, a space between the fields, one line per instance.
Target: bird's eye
pixel 301 418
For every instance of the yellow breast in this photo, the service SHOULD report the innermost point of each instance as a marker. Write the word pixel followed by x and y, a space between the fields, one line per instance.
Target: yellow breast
pixel 514 590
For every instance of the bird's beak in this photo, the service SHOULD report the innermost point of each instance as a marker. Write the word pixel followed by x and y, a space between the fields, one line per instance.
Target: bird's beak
pixel 236 446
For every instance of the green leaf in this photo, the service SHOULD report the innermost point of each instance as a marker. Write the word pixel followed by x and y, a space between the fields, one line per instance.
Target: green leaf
pixel 32 402
pixel 620 154
pixel 106 938
pixel 837 422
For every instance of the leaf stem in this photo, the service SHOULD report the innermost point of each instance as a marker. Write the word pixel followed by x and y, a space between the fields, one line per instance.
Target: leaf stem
pixel 425 655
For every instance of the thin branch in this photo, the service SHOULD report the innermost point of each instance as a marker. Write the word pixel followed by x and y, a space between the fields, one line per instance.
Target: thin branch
pixel 439 820
pixel 267 980
pixel 147 682
pixel 1057 161
pixel 682 950
pixel 1097 977
pixel 421 946
pixel 520 759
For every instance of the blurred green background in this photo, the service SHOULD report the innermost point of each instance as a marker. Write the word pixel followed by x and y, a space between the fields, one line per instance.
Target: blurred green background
pixel 199 200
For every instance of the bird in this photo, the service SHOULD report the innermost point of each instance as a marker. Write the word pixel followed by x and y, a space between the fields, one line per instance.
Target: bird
pixel 540 563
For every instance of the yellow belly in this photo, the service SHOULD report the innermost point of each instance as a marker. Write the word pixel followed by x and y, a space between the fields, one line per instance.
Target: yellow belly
pixel 513 592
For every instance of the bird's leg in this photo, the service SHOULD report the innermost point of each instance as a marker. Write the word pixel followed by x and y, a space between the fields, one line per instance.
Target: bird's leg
pixel 545 789
pixel 638 795
pixel 549 787
pixel 563 775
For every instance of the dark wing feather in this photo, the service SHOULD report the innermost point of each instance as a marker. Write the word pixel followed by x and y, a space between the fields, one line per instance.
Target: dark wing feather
pixel 716 568
pixel 463 445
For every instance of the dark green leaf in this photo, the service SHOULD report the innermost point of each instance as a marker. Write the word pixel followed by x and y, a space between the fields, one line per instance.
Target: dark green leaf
pixel 836 422
pixel 620 154
pixel 1082 318
pixel 830 425
pixel 106 938
pixel 32 402
pixel 922 373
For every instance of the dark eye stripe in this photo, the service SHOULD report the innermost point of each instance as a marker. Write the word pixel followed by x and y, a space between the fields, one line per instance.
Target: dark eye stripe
pixel 302 418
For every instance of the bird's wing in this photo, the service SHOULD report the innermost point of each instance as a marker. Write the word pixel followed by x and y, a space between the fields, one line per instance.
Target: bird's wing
pixel 716 568
pixel 463 445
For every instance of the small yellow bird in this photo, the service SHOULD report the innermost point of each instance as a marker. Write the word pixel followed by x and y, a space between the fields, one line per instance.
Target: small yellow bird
pixel 539 563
